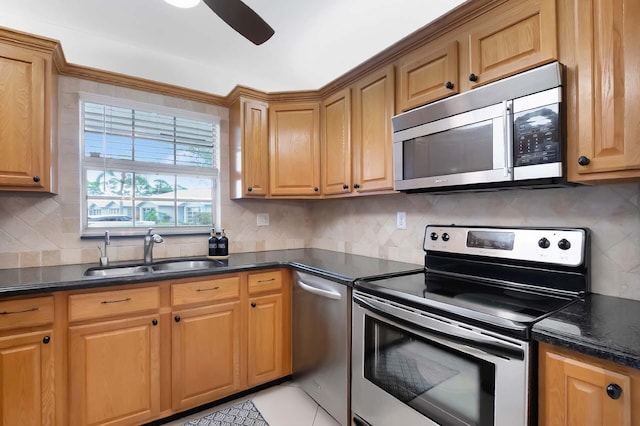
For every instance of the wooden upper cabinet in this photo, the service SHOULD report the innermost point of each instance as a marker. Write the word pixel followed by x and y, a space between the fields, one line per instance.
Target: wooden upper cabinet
pixel 603 58
pixel 249 149
pixel 27 113
pixel 427 74
pixel 513 37
pixel 294 148
pixel 336 143
pixel 372 134
pixel 578 390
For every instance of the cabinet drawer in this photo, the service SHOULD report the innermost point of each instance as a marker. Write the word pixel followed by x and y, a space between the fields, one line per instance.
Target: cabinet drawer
pixel 205 291
pixel 26 312
pixel 110 303
pixel 266 281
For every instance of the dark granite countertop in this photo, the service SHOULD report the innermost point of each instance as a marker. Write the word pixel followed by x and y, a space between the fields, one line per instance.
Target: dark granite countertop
pixel 603 326
pixel 339 267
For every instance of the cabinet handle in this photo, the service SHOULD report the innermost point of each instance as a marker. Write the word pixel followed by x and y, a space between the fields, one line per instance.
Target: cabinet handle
pixel 448 85
pixel 253 304
pixel 104 302
pixel 315 188
pixel 36 178
pixel 356 185
pixel 176 318
pixel 473 77
pixel 19 312
pixel 46 340
pixel 345 186
pixel 249 189
pixel 207 289
pixel 583 161
pixel 154 322
pixel 266 281
pixel 614 391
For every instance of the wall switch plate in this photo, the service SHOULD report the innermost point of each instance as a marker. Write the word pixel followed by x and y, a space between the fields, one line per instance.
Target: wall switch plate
pixel 401 220
pixel 262 219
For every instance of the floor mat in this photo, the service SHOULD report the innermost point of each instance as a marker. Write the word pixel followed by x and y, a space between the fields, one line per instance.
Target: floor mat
pixel 243 414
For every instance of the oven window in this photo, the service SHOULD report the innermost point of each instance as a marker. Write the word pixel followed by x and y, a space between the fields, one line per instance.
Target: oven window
pixel 445 385
pixel 460 150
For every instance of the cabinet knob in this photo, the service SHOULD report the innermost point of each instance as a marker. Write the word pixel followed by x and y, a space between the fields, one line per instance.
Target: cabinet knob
pixel 614 391
pixel 176 318
pixel 345 186
pixel 253 304
pixel 154 322
pixel 356 186
pixel 249 189
pixel 583 161
pixel 47 339
pixel 315 188
pixel 448 85
pixel 36 178
pixel 473 77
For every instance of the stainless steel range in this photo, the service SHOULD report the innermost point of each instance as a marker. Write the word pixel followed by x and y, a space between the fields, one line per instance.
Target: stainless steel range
pixel 451 345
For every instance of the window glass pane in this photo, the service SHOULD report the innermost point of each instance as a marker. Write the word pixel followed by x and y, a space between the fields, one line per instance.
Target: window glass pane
pixel 109 213
pixel 150 213
pixel 154 151
pixel 194 213
pixel 194 188
pixel 154 185
pixel 192 155
pixel 109 183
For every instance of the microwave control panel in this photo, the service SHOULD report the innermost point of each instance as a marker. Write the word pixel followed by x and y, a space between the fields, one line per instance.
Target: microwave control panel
pixel 537 136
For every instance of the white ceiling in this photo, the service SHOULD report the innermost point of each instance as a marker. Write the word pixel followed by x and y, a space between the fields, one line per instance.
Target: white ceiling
pixel 315 41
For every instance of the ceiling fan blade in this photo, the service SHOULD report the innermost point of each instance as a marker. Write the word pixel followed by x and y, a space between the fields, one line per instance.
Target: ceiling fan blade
pixel 242 18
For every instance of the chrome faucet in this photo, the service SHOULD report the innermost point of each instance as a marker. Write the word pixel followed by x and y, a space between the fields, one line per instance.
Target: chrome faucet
pixel 149 241
pixel 104 257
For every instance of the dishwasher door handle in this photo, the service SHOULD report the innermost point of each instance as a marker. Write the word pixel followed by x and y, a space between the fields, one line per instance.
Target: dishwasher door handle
pixel 320 292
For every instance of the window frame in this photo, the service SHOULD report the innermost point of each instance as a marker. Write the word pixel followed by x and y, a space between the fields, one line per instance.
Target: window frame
pixel 133 166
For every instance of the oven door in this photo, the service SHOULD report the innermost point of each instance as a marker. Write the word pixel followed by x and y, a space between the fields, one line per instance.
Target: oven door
pixel 414 368
pixel 468 148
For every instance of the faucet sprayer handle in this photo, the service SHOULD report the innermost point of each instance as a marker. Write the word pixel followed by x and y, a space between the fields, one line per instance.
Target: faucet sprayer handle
pixel 107 239
pixel 149 231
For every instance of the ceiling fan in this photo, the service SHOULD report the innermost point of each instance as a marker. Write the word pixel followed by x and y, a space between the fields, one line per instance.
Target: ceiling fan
pixel 242 18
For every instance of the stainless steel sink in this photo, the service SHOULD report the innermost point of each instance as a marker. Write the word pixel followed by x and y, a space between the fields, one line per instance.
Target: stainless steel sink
pixel 157 267
pixel 184 265
pixel 118 271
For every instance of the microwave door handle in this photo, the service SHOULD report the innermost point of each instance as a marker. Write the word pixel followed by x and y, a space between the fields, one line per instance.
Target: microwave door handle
pixel 508 138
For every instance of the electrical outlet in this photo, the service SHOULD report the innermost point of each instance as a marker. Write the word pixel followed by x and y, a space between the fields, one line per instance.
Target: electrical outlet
pixel 262 219
pixel 401 220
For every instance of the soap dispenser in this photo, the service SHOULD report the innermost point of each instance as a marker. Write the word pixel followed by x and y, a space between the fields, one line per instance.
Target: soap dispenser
pixel 223 244
pixel 213 244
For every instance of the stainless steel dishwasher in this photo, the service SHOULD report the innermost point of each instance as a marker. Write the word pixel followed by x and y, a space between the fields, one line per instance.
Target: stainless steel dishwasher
pixel 321 342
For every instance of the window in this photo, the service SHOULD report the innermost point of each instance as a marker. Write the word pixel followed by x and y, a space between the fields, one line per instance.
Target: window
pixel 145 165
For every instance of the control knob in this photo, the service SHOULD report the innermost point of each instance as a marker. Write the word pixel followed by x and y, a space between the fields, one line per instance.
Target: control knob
pixel 543 243
pixel 564 244
pixel 434 236
pixel 445 237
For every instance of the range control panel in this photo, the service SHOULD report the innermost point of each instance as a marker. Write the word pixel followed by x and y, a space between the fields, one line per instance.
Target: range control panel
pixel 562 246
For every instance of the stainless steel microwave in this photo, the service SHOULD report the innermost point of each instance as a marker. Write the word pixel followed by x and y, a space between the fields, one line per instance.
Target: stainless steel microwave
pixel 506 134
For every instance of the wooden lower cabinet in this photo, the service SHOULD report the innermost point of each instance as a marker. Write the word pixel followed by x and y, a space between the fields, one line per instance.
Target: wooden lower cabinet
pixel 114 372
pixel 579 390
pixel 205 363
pixel 26 379
pixel 265 344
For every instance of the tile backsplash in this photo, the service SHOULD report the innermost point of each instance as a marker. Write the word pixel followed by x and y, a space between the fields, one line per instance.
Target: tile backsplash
pixel 41 230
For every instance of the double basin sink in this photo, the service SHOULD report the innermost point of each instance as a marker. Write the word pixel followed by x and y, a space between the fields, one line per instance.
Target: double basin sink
pixel 153 268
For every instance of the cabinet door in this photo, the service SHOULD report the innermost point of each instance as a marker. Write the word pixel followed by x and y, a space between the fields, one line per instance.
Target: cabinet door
pixel 114 372
pixel 336 143
pixel 294 149
pixel 205 362
pixel 372 134
pixel 26 379
pixel 428 74
pixel 25 149
pixel 511 38
pixel 573 392
pixel 607 62
pixel 255 144
pixel 266 339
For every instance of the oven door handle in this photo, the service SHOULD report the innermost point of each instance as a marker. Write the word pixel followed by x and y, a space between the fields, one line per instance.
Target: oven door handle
pixel 490 346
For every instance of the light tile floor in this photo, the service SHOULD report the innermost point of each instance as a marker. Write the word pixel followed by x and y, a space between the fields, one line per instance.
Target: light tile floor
pixel 282 405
